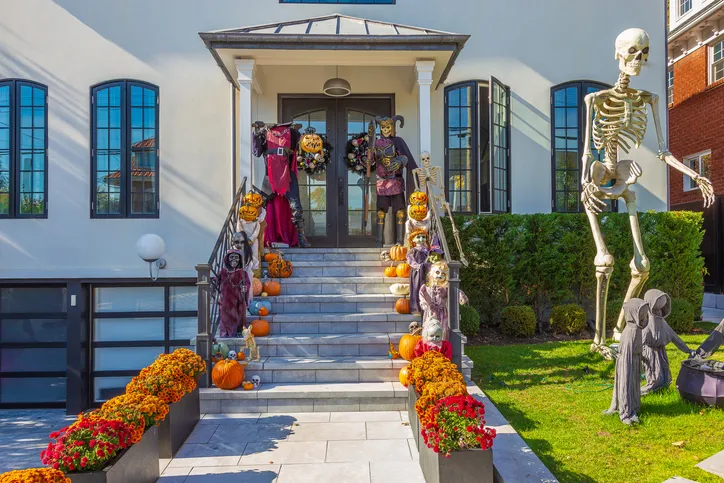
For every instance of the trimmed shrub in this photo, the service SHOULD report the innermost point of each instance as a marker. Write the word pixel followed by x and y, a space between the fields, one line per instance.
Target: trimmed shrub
pixel 568 319
pixel 613 309
pixel 681 318
pixel 469 321
pixel 518 321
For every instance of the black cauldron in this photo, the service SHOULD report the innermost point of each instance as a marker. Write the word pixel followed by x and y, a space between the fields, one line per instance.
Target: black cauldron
pixel 702 381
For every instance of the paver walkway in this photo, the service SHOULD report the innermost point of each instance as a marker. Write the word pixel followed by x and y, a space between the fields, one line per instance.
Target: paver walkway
pixel 24 434
pixel 338 447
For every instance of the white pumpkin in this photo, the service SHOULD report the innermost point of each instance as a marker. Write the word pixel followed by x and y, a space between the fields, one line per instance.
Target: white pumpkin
pixel 400 289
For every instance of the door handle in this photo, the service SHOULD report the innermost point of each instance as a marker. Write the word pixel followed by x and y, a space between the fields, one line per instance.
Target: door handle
pixel 341 191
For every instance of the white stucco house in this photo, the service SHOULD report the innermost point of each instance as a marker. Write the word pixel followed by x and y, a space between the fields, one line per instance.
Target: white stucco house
pixel 119 119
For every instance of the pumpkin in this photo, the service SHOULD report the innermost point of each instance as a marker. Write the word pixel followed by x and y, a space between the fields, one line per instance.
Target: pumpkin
pixel 311 142
pixel 400 289
pixel 268 257
pixel 240 356
pixel 406 348
pixel 220 350
pixel 280 268
pixel 253 199
pixel 227 374
pixel 418 212
pixel 390 271
pixel 256 306
pixel 403 270
pixel 404 374
pixel 418 198
pixel 248 213
pixel 398 253
pixel 247 385
pixel 259 328
pixel 263 311
pixel 256 287
pixel 272 288
pixel 402 306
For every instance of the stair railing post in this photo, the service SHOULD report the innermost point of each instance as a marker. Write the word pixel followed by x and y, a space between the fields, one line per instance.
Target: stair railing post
pixel 457 339
pixel 203 338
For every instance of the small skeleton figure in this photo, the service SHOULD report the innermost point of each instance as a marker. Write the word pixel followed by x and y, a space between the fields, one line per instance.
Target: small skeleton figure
pixel 626 400
pixel 656 337
pixel 418 216
pixel 433 297
pixel 432 340
pixel 616 119
pixel 250 344
pixel 433 174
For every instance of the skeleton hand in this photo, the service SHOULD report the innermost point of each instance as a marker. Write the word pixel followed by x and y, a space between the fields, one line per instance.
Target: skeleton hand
pixel 590 201
pixel 586 175
pixel 707 191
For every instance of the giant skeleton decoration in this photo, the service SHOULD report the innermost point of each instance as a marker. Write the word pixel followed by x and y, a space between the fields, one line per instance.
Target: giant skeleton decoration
pixel 616 118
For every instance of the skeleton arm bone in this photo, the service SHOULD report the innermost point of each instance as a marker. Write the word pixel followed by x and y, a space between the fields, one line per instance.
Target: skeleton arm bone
pixel 707 191
pixel 587 155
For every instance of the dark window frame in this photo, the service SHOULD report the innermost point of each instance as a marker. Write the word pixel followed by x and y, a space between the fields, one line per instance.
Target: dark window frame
pixel 339 2
pixel 126 153
pixel 508 158
pixel 582 85
pixel 14 164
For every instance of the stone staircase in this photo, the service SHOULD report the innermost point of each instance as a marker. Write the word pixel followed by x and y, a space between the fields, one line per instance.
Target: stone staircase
pixel 330 333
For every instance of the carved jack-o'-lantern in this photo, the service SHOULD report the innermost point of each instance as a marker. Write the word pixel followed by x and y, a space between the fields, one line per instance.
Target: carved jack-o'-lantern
pixel 418 198
pixel 253 199
pixel 311 142
pixel 417 212
pixel 248 212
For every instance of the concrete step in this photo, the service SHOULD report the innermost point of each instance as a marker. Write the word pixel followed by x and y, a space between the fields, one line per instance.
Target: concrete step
pixel 326 257
pixel 338 285
pixel 286 304
pixel 323 345
pixel 307 397
pixel 293 250
pixel 339 323
pixel 340 268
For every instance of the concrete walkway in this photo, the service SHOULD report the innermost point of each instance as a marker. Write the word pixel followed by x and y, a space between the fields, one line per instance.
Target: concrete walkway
pixel 350 447
pixel 24 434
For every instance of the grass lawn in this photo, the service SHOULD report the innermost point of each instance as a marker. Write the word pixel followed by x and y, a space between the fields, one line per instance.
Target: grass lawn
pixel 553 394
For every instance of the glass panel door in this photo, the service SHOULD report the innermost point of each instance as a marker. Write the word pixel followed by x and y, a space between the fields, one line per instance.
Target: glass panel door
pixel 313 189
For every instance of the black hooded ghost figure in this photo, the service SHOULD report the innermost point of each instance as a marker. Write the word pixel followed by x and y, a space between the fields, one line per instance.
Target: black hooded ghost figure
pixel 626 398
pixel 656 336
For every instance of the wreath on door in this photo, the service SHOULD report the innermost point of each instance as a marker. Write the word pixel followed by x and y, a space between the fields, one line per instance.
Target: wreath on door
pixel 314 152
pixel 356 154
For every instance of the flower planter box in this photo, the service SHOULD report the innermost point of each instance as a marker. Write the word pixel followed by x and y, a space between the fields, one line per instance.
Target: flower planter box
pixel 180 421
pixel 468 466
pixel 412 398
pixel 137 464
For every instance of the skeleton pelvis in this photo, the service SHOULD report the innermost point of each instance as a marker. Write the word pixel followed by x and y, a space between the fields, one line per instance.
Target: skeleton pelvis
pixel 623 174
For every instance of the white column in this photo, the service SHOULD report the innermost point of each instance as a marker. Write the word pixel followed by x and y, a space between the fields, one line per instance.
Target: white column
pixel 245 77
pixel 424 69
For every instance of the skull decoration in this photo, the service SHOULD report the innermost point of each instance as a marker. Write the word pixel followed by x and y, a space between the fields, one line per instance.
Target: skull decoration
pixel 425 159
pixel 417 212
pixel 438 274
pixel 231 355
pixel 311 142
pixel 256 380
pixel 414 326
pixel 418 198
pixel 632 50
pixel 387 125
pixel 232 260
pixel 254 199
pixel 238 239
pixel 248 212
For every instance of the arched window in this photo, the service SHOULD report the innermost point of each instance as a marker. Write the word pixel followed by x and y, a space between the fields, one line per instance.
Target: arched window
pixel 23 149
pixel 125 150
pixel 568 126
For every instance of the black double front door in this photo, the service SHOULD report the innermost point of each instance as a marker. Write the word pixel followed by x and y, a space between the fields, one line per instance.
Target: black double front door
pixel 333 201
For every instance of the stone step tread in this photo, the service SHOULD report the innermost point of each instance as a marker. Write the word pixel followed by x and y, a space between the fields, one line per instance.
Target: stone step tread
pixel 333 280
pixel 321 339
pixel 331 298
pixel 311 390
pixel 339 263
pixel 326 250
pixel 330 363
pixel 390 316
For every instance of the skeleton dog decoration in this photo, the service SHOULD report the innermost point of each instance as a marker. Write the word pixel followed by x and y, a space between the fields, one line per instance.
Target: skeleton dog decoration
pixel 616 118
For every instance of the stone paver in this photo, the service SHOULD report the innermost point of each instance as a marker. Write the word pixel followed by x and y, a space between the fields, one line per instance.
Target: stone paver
pixel 714 464
pixel 24 434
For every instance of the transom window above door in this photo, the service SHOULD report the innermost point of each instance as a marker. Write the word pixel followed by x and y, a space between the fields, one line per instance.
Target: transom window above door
pixel 125 150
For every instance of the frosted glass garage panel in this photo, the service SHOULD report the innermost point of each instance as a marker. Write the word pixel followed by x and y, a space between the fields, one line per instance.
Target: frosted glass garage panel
pixel 25 300
pixel 183 299
pixel 124 358
pixel 33 330
pixel 32 389
pixel 130 329
pixel 182 328
pixel 33 360
pixel 129 299
pixel 105 388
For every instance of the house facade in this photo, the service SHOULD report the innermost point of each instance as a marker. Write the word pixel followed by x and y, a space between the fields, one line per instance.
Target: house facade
pixel 119 119
pixel 696 118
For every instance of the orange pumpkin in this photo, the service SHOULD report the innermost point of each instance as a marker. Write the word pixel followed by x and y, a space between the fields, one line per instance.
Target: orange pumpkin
pixel 256 287
pixel 403 270
pixel 390 271
pixel 398 253
pixel 227 374
pixel 280 268
pixel 418 198
pixel 311 142
pixel 263 311
pixel 407 345
pixel 402 306
pixel 253 198
pixel 268 257
pixel 248 213
pixel 403 375
pixel 259 328
pixel 272 288
pixel 418 212
pixel 248 385
pixel 240 356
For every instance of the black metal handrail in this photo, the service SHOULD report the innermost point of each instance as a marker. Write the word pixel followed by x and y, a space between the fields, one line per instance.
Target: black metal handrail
pixel 207 274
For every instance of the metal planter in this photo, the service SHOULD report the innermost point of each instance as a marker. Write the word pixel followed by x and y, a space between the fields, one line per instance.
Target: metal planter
pixel 701 381
pixel 180 421
pixel 412 398
pixel 468 466
pixel 137 464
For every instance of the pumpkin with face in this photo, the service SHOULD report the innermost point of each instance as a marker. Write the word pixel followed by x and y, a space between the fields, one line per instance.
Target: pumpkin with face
pixel 248 212
pixel 311 142
pixel 254 199
pixel 418 198
pixel 417 212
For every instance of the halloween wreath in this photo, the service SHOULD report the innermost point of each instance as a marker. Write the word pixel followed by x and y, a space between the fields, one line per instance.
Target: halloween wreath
pixel 356 152
pixel 313 154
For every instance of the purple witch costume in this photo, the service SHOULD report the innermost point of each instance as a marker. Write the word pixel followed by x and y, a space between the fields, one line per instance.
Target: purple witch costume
pixel 417 259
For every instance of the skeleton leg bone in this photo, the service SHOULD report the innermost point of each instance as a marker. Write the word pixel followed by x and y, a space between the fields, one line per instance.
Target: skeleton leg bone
pixel 604 268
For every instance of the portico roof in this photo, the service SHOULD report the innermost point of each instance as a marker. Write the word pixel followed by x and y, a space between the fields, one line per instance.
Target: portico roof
pixel 380 43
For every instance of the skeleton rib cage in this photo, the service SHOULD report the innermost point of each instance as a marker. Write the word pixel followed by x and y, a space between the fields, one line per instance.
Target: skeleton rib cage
pixel 619 120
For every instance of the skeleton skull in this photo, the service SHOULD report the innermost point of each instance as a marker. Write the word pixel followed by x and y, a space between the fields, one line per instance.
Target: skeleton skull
pixel 232 355
pixel 257 381
pixel 387 128
pixel 425 159
pixel 414 325
pixel 632 50
pixel 438 274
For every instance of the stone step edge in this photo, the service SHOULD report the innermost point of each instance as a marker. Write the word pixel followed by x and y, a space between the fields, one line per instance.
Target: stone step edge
pixel 338 263
pixel 356 338
pixel 390 316
pixel 318 363
pixel 326 250
pixel 331 280
pixel 311 390
pixel 330 298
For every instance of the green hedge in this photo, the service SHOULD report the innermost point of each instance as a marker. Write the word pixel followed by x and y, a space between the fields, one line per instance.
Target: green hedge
pixel 518 321
pixel 469 321
pixel 681 318
pixel 546 259
pixel 568 319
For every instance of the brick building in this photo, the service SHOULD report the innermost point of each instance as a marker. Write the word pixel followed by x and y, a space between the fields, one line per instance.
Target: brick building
pixel 696 118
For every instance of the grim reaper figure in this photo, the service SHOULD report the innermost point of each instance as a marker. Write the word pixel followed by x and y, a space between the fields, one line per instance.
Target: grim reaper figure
pixel 616 120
